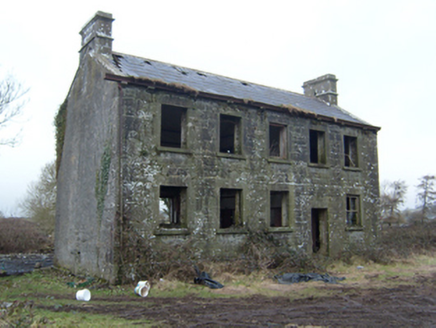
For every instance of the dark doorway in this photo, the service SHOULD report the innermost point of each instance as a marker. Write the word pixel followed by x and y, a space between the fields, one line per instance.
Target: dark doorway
pixel 319 231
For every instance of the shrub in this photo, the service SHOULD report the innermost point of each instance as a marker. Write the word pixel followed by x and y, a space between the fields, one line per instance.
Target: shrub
pixel 414 239
pixel 151 258
pixel 17 235
pixel 396 243
pixel 262 252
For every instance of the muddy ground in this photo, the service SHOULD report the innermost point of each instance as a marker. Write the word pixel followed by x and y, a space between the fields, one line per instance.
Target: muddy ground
pixel 411 303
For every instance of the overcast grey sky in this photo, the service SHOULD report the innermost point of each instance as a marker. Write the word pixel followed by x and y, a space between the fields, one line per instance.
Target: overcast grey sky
pixel 382 52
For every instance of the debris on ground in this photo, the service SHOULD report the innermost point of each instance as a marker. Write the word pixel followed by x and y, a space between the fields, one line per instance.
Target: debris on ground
pixel 204 279
pixel 83 295
pixel 82 283
pixel 292 278
pixel 16 264
pixel 142 288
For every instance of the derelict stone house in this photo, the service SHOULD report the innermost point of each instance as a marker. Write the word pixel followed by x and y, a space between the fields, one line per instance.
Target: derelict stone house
pixel 177 154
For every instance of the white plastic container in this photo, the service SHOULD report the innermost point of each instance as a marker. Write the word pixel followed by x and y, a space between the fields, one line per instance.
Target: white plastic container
pixel 83 295
pixel 142 288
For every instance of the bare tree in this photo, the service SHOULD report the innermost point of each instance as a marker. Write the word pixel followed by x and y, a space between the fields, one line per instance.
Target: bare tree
pixel 426 195
pixel 391 198
pixel 12 99
pixel 40 203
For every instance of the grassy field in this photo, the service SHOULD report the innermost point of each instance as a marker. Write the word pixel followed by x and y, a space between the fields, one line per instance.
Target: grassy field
pixel 44 298
pixel 395 280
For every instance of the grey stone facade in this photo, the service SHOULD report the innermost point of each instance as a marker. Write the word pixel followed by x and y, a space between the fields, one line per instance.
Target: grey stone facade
pixel 178 162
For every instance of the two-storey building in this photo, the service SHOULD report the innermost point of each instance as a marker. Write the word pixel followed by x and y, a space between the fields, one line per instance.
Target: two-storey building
pixel 175 154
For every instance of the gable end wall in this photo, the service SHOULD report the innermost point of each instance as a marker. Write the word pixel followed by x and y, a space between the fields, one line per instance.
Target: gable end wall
pixel 88 180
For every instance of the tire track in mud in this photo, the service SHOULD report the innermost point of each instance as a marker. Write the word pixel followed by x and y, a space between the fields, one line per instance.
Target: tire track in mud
pixel 402 306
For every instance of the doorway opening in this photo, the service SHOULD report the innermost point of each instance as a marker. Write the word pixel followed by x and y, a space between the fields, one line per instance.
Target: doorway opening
pixel 319 231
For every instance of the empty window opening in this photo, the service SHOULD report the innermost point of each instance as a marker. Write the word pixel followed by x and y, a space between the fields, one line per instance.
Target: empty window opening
pixel 278 209
pixel 350 151
pixel 353 213
pixel 319 231
pixel 173 124
pixel 230 208
pixel 277 141
pixel 317 147
pixel 230 134
pixel 171 205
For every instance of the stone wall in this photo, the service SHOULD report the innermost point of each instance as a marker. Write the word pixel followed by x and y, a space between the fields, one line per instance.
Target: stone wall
pixel 203 170
pixel 113 168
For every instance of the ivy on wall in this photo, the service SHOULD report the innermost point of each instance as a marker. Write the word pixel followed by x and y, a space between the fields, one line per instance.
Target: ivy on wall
pixel 102 179
pixel 60 123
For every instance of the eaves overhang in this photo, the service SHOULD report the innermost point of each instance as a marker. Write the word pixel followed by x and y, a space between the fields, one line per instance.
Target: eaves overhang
pixel 181 88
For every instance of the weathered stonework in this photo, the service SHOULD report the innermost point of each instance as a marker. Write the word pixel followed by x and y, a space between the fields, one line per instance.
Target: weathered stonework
pixel 116 171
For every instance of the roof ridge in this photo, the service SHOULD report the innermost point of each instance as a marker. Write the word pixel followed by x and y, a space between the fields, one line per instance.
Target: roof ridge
pixel 215 74
pixel 134 67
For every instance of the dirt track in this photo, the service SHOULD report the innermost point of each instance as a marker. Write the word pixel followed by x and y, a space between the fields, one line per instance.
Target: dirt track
pixel 402 306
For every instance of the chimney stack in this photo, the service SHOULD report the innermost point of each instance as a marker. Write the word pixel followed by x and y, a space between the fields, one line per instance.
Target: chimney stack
pixel 97 35
pixel 323 88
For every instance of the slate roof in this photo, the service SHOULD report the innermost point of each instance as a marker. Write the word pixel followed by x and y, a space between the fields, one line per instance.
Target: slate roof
pixel 140 68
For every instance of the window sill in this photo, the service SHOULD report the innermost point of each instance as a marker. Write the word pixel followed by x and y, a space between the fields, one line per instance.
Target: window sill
pixel 171 231
pixel 279 160
pixel 353 169
pixel 229 231
pixel 234 156
pixel 280 229
pixel 354 228
pixel 174 150
pixel 319 166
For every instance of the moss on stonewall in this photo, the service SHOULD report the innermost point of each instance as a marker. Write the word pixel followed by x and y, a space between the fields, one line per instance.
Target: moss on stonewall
pixel 102 178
